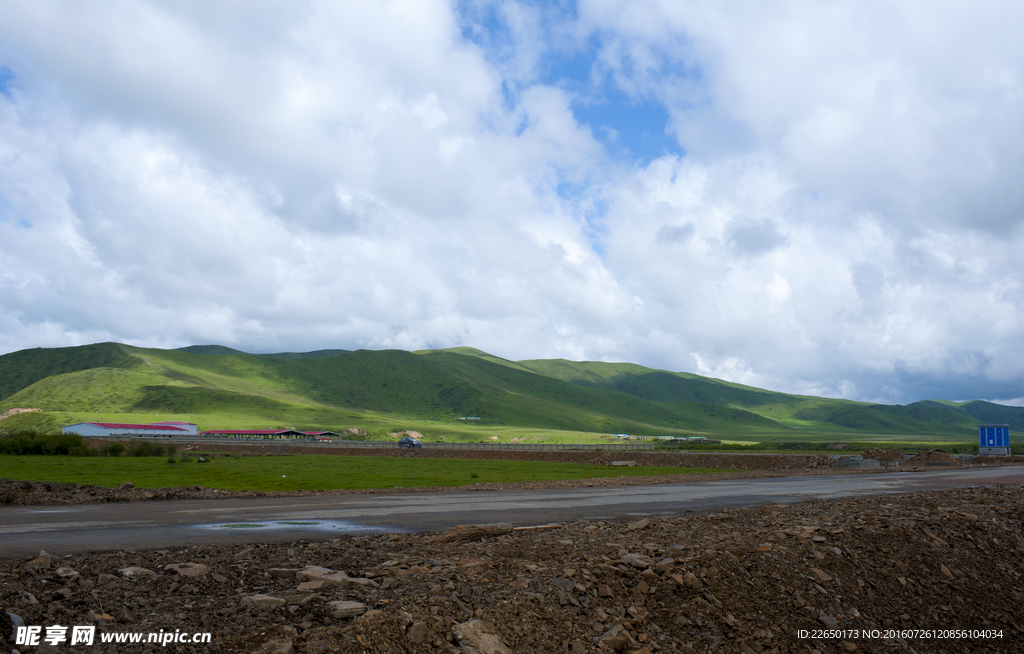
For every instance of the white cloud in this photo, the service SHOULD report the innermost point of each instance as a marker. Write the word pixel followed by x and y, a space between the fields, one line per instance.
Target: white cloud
pixel 846 219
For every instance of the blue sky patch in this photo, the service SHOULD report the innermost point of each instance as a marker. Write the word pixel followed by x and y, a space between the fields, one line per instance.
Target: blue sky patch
pixel 483 26
pixel 636 130
pixel 630 128
pixel 6 76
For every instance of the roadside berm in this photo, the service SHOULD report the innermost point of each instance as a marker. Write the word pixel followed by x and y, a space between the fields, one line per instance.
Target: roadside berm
pixel 742 466
pixel 737 580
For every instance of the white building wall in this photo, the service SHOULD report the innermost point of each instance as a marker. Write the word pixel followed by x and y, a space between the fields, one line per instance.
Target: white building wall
pixel 96 431
pixel 85 429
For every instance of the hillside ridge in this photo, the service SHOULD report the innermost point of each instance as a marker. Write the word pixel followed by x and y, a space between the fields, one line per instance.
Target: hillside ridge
pixel 333 386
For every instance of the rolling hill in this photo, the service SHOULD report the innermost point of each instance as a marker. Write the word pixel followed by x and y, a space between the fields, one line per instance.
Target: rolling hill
pixel 221 387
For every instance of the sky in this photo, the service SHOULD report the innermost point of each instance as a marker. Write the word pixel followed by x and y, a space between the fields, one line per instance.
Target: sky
pixel 823 198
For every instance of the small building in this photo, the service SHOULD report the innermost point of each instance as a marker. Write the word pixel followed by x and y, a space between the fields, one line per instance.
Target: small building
pixel 994 440
pixel 326 436
pixel 101 429
pixel 254 433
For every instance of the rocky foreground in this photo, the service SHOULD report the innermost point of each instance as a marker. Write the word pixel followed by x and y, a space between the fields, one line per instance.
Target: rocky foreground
pixel 873 574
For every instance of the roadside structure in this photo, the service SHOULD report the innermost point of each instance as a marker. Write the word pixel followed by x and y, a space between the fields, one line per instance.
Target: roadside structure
pixel 325 436
pixel 994 440
pixel 101 429
pixel 272 434
pixel 177 428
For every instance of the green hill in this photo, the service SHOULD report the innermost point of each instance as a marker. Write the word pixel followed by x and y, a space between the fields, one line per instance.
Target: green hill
pixel 222 388
pixel 19 370
pixel 517 396
pixel 211 350
pixel 315 354
pixel 793 411
pixel 986 412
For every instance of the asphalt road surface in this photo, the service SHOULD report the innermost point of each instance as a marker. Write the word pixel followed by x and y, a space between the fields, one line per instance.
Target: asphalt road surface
pixel 24 530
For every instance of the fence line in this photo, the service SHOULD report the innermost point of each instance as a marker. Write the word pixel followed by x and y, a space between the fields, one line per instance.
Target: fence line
pixel 537 447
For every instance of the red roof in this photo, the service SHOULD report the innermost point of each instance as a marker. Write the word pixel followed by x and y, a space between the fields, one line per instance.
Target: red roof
pixel 173 422
pixel 118 425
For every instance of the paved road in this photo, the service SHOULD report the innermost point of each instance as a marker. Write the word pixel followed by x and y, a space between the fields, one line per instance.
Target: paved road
pixel 89 527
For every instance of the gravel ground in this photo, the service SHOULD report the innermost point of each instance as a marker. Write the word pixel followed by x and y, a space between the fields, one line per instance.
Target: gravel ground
pixel 742 580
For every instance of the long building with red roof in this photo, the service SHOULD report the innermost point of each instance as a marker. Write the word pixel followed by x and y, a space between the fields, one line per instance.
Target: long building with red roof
pixel 172 428
pixel 268 433
pixel 101 429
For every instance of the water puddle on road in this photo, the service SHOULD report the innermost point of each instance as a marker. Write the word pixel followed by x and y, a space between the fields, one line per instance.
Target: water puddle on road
pixel 334 526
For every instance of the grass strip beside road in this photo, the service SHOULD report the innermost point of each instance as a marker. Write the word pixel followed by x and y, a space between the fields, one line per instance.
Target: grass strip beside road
pixel 306 472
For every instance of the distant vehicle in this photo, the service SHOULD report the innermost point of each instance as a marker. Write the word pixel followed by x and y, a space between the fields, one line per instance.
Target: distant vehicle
pixel 408 441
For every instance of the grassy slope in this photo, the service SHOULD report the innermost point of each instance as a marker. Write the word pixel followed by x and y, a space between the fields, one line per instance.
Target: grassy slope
pixel 391 389
pixel 214 350
pixel 989 413
pixel 388 384
pixel 792 411
pixel 508 393
pixel 19 370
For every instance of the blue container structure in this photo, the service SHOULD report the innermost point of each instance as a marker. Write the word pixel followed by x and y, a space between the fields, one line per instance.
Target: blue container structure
pixel 994 439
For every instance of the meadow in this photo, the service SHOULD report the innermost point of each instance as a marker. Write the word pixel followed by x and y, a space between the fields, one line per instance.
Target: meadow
pixel 303 472
pixel 382 393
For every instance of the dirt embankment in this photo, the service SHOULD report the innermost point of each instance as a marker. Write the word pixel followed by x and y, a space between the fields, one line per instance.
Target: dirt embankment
pixel 933 457
pixel 883 574
pixel 694 459
pixel 891 455
pixel 749 462
pixel 750 466
pixel 13 492
pixel 15 411
pixel 17 492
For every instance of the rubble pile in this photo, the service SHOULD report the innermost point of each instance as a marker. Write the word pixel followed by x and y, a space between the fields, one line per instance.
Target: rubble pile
pixel 892 455
pixel 822 461
pixel 932 457
pixel 732 580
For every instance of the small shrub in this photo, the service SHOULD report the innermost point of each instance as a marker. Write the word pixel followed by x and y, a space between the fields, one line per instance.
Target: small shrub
pixel 33 441
pixel 114 449
pixel 473 475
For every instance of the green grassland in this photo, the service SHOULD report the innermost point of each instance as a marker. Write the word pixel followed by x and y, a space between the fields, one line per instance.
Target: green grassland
pixel 390 391
pixel 310 472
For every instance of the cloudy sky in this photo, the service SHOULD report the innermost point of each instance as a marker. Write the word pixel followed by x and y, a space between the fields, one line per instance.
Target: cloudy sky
pixel 824 198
